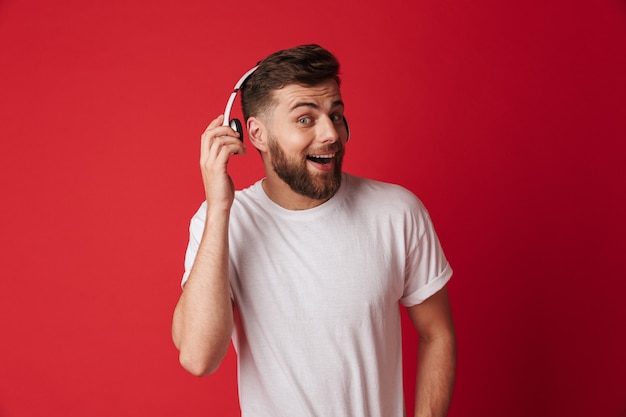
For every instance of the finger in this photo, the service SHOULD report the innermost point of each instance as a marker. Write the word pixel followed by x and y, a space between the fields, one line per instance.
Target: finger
pixel 224 152
pixel 212 141
pixel 219 135
pixel 226 144
pixel 219 122
pixel 215 123
pixel 218 149
pixel 217 160
pixel 216 128
pixel 219 131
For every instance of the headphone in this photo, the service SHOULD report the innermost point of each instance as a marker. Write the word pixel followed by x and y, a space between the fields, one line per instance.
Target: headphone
pixel 235 124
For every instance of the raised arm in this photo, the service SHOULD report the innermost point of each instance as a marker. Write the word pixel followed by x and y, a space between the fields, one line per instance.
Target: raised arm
pixel 203 318
pixel 437 355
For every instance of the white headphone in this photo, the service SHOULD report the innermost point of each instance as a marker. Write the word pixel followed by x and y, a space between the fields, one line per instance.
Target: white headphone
pixel 235 124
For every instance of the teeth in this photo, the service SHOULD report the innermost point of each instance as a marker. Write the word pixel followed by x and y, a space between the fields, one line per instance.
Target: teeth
pixel 323 156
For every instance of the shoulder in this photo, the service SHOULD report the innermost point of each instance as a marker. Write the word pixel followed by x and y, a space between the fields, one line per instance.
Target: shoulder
pixel 376 202
pixel 383 194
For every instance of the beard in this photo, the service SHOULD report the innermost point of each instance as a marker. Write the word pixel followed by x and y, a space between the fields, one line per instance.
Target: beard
pixel 294 172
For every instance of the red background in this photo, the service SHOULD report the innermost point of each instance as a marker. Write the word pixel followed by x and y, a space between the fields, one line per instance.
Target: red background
pixel 508 119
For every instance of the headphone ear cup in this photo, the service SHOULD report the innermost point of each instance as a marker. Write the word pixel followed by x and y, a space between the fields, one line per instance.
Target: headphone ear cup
pixel 345 121
pixel 235 124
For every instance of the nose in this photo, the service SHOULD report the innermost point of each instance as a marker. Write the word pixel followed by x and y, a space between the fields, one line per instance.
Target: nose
pixel 327 130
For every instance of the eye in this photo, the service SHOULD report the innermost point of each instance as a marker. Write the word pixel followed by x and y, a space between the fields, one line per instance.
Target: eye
pixel 304 120
pixel 336 117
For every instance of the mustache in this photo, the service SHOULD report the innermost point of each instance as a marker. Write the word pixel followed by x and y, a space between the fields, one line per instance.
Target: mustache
pixel 333 148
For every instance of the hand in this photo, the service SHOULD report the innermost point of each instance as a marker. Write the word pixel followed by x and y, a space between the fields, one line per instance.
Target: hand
pixel 217 145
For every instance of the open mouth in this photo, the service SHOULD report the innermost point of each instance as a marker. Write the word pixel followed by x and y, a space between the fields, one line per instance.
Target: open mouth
pixel 321 159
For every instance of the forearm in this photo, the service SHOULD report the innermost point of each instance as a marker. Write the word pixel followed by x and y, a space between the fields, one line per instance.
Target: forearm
pixel 203 319
pixel 435 376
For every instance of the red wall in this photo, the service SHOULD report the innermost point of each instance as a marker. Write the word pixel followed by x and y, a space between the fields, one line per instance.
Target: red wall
pixel 508 119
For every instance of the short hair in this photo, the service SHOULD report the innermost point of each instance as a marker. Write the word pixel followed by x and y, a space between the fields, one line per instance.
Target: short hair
pixel 307 65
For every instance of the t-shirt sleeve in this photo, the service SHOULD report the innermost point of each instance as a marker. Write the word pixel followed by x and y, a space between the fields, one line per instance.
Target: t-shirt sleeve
pixel 196 228
pixel 427 269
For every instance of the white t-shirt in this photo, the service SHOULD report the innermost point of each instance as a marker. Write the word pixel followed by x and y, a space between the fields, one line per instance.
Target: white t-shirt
pixel 316 292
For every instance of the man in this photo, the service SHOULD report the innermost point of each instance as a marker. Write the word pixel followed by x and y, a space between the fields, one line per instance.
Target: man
pixel 306 268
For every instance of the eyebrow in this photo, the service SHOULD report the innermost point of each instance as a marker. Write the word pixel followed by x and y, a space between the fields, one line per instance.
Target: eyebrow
pixel 336 103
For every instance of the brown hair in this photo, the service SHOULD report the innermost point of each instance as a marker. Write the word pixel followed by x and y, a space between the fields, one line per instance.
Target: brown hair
pixel 307 65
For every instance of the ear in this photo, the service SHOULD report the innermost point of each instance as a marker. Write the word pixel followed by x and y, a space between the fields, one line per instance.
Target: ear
pixel 257 132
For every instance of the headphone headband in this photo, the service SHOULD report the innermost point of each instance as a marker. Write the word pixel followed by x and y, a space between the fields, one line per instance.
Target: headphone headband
pixel 233 95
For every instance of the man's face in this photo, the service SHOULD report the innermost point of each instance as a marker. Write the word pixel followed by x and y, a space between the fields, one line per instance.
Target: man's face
pixel 306 139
